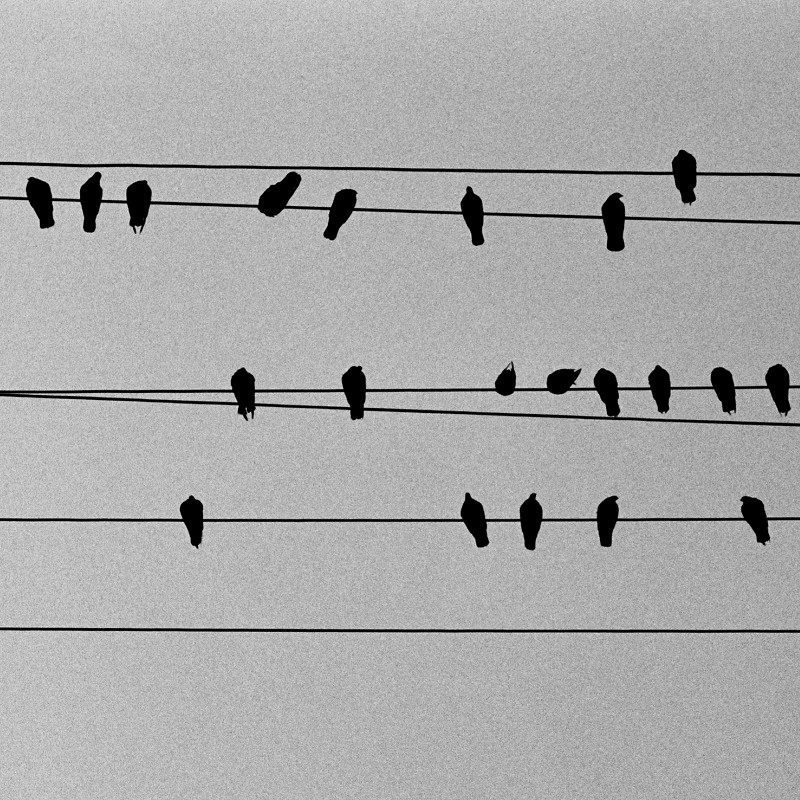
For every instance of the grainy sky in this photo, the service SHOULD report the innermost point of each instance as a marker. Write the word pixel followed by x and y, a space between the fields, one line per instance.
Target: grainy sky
pixel 202 292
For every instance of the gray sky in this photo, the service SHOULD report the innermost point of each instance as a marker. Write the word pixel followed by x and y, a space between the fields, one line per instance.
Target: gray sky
pixel 202 292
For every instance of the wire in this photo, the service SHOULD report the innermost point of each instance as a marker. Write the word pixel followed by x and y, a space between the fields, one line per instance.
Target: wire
pixel 376 520
pixel 516 631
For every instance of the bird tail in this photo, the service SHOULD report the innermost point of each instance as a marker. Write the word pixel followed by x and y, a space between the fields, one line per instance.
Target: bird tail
pixel 688 196
pixel 615 244
pixel 46 222
pixel 89 226
pixel 477 237
pixel 612 408
pixel 243 411
pixel 330 232
pixel 357 413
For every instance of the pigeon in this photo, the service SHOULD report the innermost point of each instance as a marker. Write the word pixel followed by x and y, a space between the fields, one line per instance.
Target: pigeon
pixel 684 170
pixel 138 197
pixel 344 201
pixel 475 519
pixel 607 516
pixel 244 389
pixel 472 210
pixel 613 212
pixel 91 197
pixel 606 384
pixel 722 381
pixel 756 517
pixel 192 515
pixel 277 196
pixel 560 381
pixel 354 383
pixel 778 383
pixel 661 387
pixel 530 518
pixel 506 381
pixel 41 199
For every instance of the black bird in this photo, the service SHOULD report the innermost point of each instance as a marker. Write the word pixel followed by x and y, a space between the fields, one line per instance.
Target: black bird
pixel 472 210
pixel 277 196
pixel 192 515
pixel 560 381
pixel 138 197
pixel 661 387
pixel 244 389
pixel 613 212
pixel 506 381
pixel 91 196
pixel 778 383
pixel 475 519
pixel 606 384
pixel 722 381
pixel 684 170
pixel 607 516
pixel 344 201
pixel 41 199
pixel 354 383
pixel 756 517
pixel 530 518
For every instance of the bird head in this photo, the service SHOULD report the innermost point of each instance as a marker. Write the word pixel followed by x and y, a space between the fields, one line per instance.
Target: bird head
pixel 469 190
pixel 616 195
pixel 533 496
pixel 613 497
pixel 97 176
pixel 745 498
pixel 467 496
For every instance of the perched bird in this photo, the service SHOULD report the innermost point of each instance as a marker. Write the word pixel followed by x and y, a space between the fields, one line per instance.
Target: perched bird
pixel 530 518
pixel 560 381
pixel 506 381
pixel 344 201
pixel 277 196
pixel 354 383
pixel 756 517
pixel 138 197
pixel 475 519
pixel 684 170
pixel 607 516
pixel 91 196
pixel 192 516
pixel 613 212
pixel 722 381
pixel 606 384
pixel 244 389
pixel 778 383
pixel 661 387
pixel 472 210
pixel 41 199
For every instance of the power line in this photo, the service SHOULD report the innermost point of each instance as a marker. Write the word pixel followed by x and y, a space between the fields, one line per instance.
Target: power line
pixel 376 520
pixel 506 631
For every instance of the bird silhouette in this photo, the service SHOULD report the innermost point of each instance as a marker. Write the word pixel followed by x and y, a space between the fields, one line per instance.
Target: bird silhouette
pixel 684 170
pixel 613 212
pixel 91 196
pixel 661 387
pixel 777 378
pixel 138 196
pixel 192 515
pixel 606 384
pixel 475 519
pixel 530 518
pixel 722 381
pixel 472 211
pixel 276 197
pixel 607 516
pixel 344 201
pixel 756 517
pixel 560 381
pixel 354 383
pixel 41 199
pixel 506 381
pixel 244 390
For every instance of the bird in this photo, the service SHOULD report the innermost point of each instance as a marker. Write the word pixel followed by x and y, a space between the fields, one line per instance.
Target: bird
pixel 607 516
pixel 475 519
pixel 138 196
pixel 530 518
pixel 661 387
pixel 684 170
pixel 41 199
pixel 472 211
pixel 606 384
pixel 276 197
pixel 344 201
pixel 613 212
pixel 244 389
pixel 560 381
pixel 91 196
pixel 777 378
pixel 722 381
pixel 756 517
pixel 354 383
pixel 506 381
pixel 192 515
